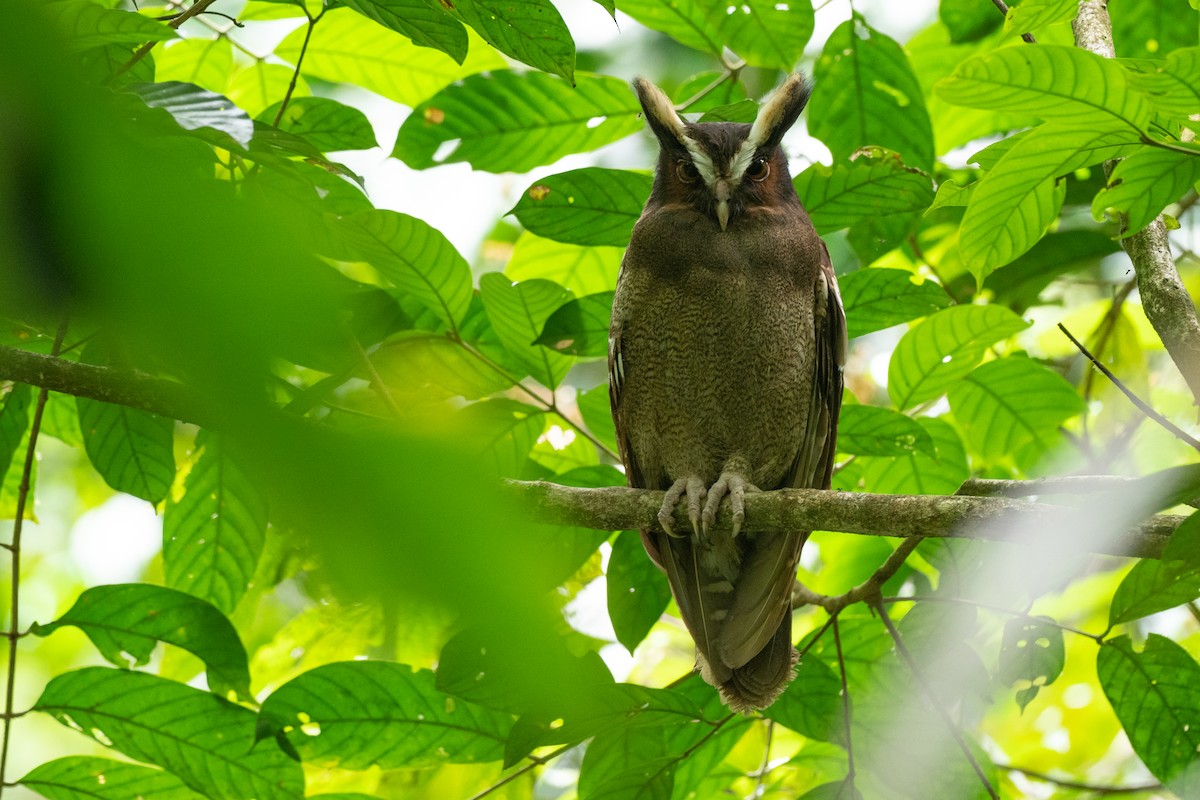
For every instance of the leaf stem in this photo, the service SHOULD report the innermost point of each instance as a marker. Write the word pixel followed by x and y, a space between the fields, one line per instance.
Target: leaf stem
pixel 287 96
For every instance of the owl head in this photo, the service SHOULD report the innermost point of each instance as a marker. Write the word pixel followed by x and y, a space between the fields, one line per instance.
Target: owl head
pixel 723 169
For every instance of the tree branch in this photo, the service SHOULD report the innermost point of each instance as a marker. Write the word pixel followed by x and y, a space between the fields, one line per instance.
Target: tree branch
pixel 1166 301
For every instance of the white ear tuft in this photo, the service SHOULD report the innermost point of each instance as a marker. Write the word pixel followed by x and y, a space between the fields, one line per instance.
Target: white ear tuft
pixel 660 111
pixel 779 112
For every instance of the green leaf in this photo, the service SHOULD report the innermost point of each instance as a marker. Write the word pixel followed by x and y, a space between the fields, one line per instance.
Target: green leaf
pixel 1034 14
pixel 89 25
pixel 259 85
pixel 83 777
pixel 874 431
pixel 206 63
pixel 590 206
pixel 126 621
pixel 1172 88
pixel 518 312
pixel 812 703
pixel 582 270
pixel 762 32
pixel 597 414
pixel 361 714
pixel 426 24
pixel 1015 201
pixel 1020 283
pixel 580 327
pixel 14 422
pixel 845 194
pixel 1156 696
pixel 1184 544
pixel 133 450
pixel 213 535
pixel 917 473
pixel 887 107
pixel 1032 652
pixel 194 108
pixel 513 122
pixel 637 592
pixel 61 420
pixel 531 31
pixel 1010 403
pixel 1151 587
pixel 205 740
pixel 1053 82
pixel 943 349
pixel 950 194
pixel 742 111
pixel 345 47
pixel 415 257
pixel 418 361
pixel 1144 184
pixel 879 298
pixel 328 124
pixel 967 20
pixel 1151 30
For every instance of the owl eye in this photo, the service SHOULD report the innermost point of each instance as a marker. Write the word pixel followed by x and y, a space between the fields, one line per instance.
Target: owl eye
pixel 758 170
pixel 687 172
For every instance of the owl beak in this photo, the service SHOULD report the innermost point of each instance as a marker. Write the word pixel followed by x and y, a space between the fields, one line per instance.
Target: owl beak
pixel 723 190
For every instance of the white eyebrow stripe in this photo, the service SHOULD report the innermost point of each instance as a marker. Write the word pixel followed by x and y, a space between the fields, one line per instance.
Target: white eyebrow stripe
pixel 741 159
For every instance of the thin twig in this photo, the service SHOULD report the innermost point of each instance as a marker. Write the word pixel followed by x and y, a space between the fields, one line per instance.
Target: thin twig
pixel 846 719
pixel 376 381
pixel 760 782
pixel 15 553
pixel 940 598
pixel 287 96
pixel 1083 787
pixel 907 657
pixel 199 7
pixel 1133 398
pixel 867 591
pixel 1000 4
pixel 707 90
pixel 534 762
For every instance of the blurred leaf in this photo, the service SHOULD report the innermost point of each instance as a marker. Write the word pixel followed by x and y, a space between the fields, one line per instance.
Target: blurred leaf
pixel 194 108
pixel 60 420
pixel 597 414
pixel 1184 544
pixel 1054 82
pixel 126 621
pixel 345 47
pixel 582 270
pixel 579 327
pixel 874 431
pixel 1031 651
pixel 812 703
pixel 90 25
pixel 424 23
pixel 1156 696
pixel 79 777
pixel 745 111
pixel 637 590
pixel 1151 587
pixel 590 206
pixel 417 258
pixel 1007 404
pixel 918 473
pixel 259 85
pixel 213 535
pixel 763 33
pixel 967 20
pixel 206 741
pixel 1172 88
pixel 481 121
pixel 359 714
pixel 1143 184
pixel 415 361
pixel 206 63
pixel 1033 14
pixel 837 790
pixel 879 298
pixel 1154 29
pixel 506 431
pixel 888 107
pixel 531 31
pixel 328 124
pixel 846 194
pixel 937 353
pixel 14 422
pixel 519 311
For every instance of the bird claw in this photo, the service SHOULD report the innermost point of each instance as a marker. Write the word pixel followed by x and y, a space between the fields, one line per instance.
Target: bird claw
pixel 695 491
pixel 736 487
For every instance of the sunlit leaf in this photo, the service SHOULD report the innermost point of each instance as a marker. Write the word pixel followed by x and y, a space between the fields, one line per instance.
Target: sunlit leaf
pixel 582 270
pixel 887 108
pixel 79 777
pixel 1173 88
pixel 260 85
pixel 917 473
pixel 519 311
pixel 875 299
pixel 91 25
pixel 1153 586
pixel 15 414
pixel 1032 652
pixel 426 24
pixel 1033 14
pixel 126 621
pixel 513 122
pixel 874 431
pixel 1143 184
pixel 580 327
pixel 1153 30
pixel 207 63
pixel 597 415
pixel 1156 696
pixel 637 590
pixel 326 123
pixel 133 450
pixel 590 206
pixel 358 714
pixel 938 352
pixel 205 740
pixel 531 31
pixel 417 361
pixel 845 194
pixel 213 535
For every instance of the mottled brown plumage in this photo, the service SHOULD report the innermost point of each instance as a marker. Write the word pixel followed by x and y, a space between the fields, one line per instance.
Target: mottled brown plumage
pixel 725 365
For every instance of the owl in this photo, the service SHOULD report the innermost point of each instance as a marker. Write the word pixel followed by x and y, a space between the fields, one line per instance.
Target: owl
pixel 726 351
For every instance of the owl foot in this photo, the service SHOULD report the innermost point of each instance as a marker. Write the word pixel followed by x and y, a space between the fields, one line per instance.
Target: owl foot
pixel 734 485
pixel 695 490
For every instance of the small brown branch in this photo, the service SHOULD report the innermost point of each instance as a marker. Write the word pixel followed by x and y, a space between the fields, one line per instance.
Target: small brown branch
pixel 534 762
pixel 1133 398
pixel 287 96
pixel 867 591
pixel 1000 4
pixel 199 7
pixel 1083 787
pixel 907 657
pixel 1063 485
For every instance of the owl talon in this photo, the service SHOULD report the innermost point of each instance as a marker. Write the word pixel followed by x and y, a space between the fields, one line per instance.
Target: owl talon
pixel 695 490
pixel 736 487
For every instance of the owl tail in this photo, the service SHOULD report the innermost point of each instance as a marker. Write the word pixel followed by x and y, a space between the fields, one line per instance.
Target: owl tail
pixel 759 682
